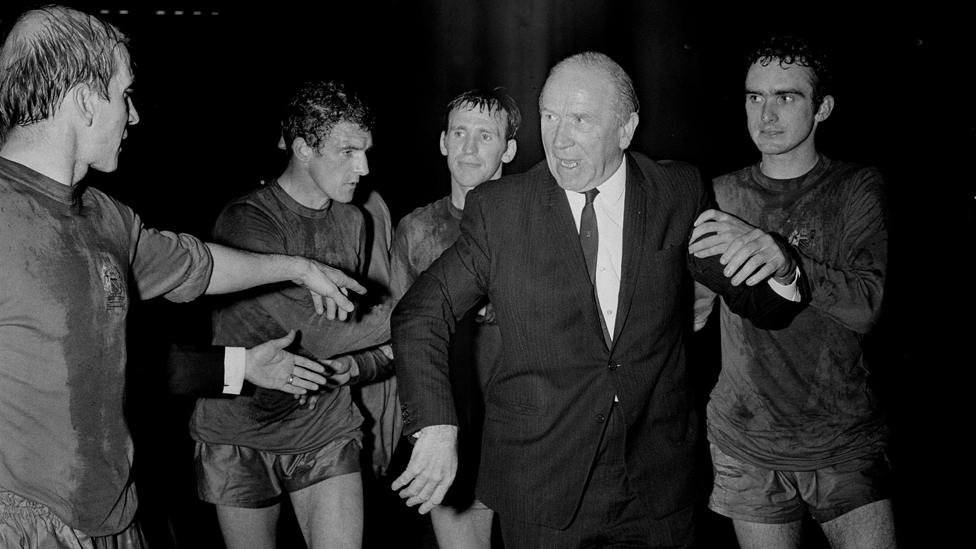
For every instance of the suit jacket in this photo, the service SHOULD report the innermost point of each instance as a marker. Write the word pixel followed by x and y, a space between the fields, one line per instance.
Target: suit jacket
pixel 552 389
pixel 195 370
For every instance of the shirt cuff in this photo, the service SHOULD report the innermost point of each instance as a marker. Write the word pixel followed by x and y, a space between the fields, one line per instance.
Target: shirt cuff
pixel 789 291
pixel 234 358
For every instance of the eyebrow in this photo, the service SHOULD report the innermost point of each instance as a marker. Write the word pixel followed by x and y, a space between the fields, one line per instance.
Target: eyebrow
pixel 355 146
pixel 787 91
pixel 476 127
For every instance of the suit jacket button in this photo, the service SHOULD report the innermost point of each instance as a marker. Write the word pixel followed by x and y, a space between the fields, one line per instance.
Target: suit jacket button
pixel 600 418
pixel 613 366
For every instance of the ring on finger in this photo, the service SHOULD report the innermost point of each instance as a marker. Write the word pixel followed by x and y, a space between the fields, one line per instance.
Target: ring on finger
pixel 291 378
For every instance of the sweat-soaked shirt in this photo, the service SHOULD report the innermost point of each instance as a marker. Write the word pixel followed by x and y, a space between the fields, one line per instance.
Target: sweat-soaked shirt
pixel 798 398
pixel 268 220
pixel 67 270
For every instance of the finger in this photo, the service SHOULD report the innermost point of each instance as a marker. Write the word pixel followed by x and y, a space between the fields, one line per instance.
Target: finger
pixel 762 274
pixel 741 250
pixel 705 228
pixel 706 216
pixel 332 367
pixel 345 282
pixel 414 500
pixel 308 364
pixel 736 261
pixel 342 302
pixel 339 366
pixel 283 341
pixel 308 380
pixel 696 233
pixel 751 266
pixel 428 488
pixel 317 302
pixel 338 380
pixel 403 480
pixel 436 498
pixel 330 308
pixel 709 246
pixel 746 244
pixel 293 389
pixel 734 256
pixel 341 315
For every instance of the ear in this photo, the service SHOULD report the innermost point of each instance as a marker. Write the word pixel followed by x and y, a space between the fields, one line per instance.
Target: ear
pixel 443 145
pixel 627 130
pixel 82 98
pixel 510 151
pixel 301 150
pixel 826 107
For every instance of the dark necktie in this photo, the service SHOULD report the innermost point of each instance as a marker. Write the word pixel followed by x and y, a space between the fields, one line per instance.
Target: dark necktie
pixel 589 235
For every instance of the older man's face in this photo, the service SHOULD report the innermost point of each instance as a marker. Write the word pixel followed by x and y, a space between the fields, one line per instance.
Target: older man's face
pixel 583 138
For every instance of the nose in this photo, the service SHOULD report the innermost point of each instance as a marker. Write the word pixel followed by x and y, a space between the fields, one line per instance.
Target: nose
pixel 470 144
pixel 562 137
pixel 133 113
pixel 769 112
pixel 362 167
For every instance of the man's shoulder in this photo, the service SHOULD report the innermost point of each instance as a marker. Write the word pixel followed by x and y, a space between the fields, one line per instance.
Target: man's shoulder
pixel 735 177
pixel 425 215
pixel 841 171
pixel 675 178
pixel 256 197
pixel 513 186
pixel 664 170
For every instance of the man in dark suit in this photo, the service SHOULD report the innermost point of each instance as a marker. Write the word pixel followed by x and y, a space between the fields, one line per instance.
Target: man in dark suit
pixel 590 432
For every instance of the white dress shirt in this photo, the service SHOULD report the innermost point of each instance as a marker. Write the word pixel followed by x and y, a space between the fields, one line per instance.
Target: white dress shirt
pixel 609 209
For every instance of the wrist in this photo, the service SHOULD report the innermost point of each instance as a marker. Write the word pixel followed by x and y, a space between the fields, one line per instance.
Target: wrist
pixel 301 269
pixel 787 278
pixel 353 372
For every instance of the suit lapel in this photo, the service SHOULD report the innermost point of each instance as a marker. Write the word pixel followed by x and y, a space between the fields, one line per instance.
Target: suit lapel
pixel 636 201
pixel 564 243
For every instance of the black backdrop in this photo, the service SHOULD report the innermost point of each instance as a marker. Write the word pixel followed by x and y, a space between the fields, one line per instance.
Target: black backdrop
pixel 209 77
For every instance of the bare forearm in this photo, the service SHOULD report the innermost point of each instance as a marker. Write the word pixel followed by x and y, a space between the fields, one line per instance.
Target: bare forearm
pixel 235 270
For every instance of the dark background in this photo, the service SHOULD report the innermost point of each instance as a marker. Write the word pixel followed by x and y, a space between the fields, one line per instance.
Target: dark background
pixel 208 86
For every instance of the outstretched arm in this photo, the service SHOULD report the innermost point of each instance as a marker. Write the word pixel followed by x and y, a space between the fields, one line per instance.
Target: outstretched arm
pixel 235 270
pixel 210 370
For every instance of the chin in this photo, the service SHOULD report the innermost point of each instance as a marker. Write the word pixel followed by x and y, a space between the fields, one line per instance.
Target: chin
pixel 106 167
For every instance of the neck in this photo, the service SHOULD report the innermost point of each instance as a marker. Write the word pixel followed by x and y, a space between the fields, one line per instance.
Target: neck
pixel 458 194
pixel 46 149
pixel 300 186
pixel 788 166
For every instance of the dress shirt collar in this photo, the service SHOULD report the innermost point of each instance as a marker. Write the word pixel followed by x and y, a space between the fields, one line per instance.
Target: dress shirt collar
pixel 611 190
